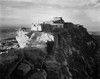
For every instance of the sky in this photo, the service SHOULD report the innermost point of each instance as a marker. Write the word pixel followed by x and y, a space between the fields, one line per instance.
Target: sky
pixel 26 12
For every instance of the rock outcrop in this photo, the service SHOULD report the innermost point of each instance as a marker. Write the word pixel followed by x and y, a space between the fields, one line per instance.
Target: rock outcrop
pixel 71 55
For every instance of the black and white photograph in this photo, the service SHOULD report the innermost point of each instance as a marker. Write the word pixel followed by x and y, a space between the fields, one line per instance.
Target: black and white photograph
pixel 49 39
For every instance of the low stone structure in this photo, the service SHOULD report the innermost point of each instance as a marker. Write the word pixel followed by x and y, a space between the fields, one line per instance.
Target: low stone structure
pixel 69 53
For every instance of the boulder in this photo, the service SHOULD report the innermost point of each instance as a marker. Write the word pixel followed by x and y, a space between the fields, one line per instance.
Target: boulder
pixel 71 55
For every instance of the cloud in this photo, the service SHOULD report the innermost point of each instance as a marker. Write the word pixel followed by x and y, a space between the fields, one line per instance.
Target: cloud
pixel 21 0
pixel 54 3
pixel 15 4
pixel 86 12
pixel 95 1
pixel 94 15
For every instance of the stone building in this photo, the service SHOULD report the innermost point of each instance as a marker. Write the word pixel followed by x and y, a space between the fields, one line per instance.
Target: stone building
pixel 56 23
pixel 36 27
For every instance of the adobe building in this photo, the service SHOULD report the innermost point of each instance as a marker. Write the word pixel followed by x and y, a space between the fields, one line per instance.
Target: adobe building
pixel 44 31
pixel 36 27
pixel 56 23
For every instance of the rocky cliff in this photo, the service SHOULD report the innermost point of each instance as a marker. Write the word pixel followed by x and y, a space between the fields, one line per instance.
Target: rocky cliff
pixel 70 56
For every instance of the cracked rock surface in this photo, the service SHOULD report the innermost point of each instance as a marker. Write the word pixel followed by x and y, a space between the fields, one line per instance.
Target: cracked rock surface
pixel 70 56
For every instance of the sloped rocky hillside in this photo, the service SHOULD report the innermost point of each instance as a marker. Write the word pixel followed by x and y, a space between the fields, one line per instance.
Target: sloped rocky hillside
pixel 70 56
pixel 97 39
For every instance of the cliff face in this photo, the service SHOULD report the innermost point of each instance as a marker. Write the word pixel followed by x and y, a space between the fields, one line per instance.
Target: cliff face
pixel 75 49
pixel 70 56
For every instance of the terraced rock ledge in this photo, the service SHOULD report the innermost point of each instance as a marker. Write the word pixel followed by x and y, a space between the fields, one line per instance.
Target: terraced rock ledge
pixel 71 54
